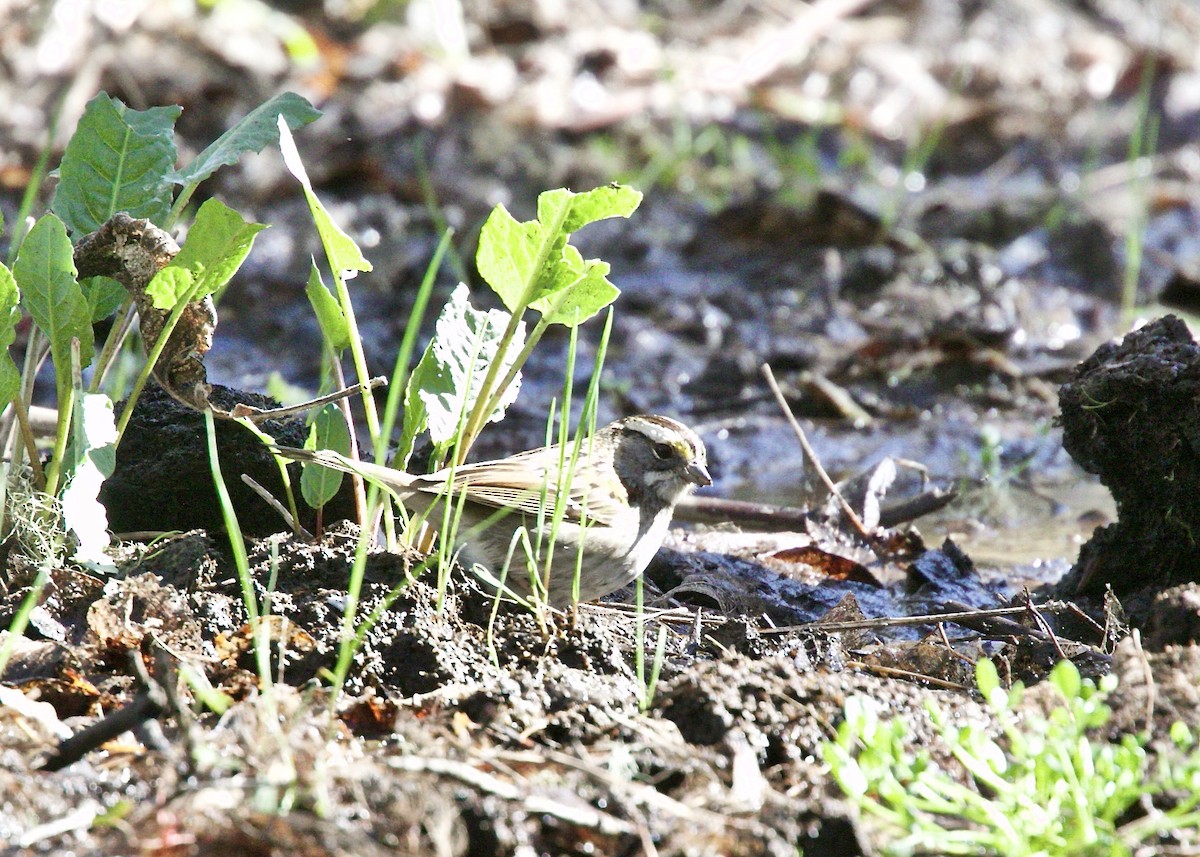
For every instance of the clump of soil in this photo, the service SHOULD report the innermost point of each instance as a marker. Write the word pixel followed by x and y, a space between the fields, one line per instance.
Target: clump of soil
pixel 1131 415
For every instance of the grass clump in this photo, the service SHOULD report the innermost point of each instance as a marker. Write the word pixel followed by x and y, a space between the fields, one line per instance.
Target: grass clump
pixel 1044 785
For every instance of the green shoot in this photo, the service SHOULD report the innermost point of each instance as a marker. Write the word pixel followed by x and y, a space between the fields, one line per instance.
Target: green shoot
pixel 530 265
pixel 345 261
pixel 400 371
pixel 236 542
pixel 45 273
pixel 1048 784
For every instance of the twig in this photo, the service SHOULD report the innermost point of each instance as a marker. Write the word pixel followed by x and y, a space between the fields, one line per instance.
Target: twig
pixel 1037 617
pixel 718 510
pixel 893 672
pixel 812 456
pixel 941 627
pixel 923 504
pixel 257 415
pixel 149 703
pixel 270 500
pixel 747 514
pixel 956 617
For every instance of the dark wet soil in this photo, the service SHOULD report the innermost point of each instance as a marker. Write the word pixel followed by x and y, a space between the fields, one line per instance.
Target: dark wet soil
pixel 918 215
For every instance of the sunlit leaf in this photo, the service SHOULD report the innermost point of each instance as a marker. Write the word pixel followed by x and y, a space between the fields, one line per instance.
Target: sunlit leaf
pixel 118 159
pixel 319 484
pixel 256 130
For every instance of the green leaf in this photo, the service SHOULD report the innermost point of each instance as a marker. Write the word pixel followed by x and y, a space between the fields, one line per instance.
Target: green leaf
pixel 578 301
pixel 258 129
pixel 587 207
pixel 169 286
pixel 527 263
pixel 1065 676
pixel 445 383
pixel 319 484
pixel 507 257
pixel 45 272
pixel 216 245
pixel 93 440
pixel 117 160
pixel 10 376
pixel 345 259
pixel 334 326
pixel 987 679
pixel 104 296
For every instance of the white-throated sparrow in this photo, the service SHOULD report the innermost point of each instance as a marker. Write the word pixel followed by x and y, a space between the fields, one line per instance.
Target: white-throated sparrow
pixel 621 496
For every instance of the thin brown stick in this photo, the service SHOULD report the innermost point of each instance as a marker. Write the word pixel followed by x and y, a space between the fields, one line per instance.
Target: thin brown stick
pixel 1045 626
pixel 941 627
pixel 812 456
pixel 271 501
pixel 893 672
pixel 751 515
pixel 257 415
pixel 925 619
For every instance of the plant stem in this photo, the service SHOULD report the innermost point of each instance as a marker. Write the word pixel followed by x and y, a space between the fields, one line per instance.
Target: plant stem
pixel 112 344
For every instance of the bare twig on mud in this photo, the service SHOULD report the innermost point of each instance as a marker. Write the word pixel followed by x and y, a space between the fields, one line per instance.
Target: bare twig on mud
pixel 259 414
pixel 957 617
pixel 750 515
pixel 1037 617
pixel 941 627
pixel 270 500
pixel 893 672
pixel 812 456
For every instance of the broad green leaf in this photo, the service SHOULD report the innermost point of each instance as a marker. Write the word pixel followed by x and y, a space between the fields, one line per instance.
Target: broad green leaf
pixel 507 257
pixel 587 207
pixel 169 286
pixel 45 273
pixel 216 246
pixel 104 295
pixel 258 129
pixel 445 383
pixel 319 484
pixel 118 159
pixel 582 299
pixel 526 263
pixel 10 376
pixel 566 269
pixel 93 439
pixel 330 317
pixel 345 259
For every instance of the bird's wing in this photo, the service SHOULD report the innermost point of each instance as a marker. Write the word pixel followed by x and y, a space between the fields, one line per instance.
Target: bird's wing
pixel 523 481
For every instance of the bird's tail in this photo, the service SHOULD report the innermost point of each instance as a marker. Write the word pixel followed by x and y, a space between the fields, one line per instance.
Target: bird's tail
pixel 396 481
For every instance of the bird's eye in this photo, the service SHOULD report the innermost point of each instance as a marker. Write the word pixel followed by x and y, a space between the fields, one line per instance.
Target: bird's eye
pixel 663 451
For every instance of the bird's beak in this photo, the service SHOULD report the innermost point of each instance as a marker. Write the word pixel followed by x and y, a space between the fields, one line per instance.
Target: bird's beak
pixel 698 473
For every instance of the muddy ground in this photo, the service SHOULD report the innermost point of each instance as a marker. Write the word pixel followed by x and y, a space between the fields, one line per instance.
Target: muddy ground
pixel 918 213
